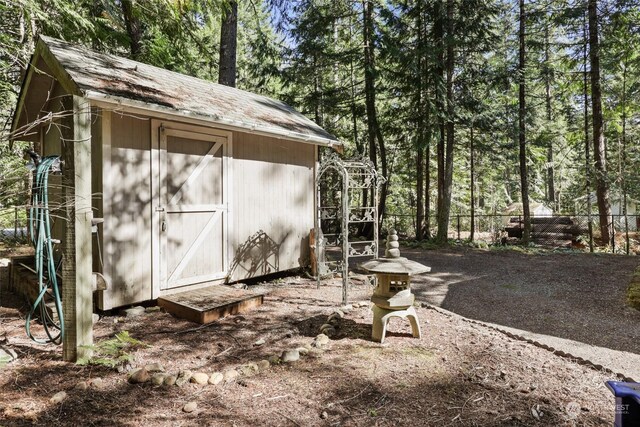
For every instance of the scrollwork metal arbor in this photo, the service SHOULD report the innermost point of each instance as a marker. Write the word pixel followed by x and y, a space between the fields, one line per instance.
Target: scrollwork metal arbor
pixel 344 206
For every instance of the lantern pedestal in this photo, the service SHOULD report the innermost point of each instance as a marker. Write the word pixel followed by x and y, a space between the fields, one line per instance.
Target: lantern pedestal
pixel 381 317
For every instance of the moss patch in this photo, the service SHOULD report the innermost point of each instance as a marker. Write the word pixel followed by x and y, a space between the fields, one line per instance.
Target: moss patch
pixel 633 292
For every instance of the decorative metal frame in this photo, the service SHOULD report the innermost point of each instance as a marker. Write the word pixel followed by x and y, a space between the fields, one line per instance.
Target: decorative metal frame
pixel 355 175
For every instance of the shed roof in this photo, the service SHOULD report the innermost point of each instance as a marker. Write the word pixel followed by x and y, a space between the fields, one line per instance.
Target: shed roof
pixel 112 79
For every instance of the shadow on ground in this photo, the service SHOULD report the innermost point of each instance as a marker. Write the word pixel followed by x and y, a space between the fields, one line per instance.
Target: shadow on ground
pixel 580 297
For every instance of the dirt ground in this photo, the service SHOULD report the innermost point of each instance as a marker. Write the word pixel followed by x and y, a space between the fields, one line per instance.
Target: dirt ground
pixel 576 296
pixel 457 374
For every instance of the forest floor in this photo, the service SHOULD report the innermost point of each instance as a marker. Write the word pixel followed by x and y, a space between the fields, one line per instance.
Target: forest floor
pixel 562 299
pixel 458 373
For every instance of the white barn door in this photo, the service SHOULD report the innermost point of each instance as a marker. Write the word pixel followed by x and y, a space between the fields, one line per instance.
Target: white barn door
pixel 193 208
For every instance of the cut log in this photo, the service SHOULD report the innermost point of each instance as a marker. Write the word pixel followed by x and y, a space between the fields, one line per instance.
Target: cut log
pixel 552 236
pixel 552 220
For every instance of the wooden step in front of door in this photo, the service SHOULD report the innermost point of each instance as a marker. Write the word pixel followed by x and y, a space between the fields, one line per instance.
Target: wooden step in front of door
pixel 209 304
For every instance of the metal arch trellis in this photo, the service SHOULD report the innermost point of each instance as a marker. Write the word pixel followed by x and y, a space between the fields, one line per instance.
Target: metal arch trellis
pixel 358 174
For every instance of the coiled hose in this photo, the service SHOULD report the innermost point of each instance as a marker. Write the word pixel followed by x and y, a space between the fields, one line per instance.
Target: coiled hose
pixel 45 265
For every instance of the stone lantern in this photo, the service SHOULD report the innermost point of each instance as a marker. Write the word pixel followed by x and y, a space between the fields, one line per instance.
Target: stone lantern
pixel 392 296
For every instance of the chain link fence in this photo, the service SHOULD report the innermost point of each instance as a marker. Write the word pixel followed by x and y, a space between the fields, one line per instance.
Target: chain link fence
pixel 13 224
pixel 557 231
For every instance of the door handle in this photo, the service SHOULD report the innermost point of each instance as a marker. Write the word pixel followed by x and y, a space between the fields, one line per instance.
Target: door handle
pixel 163 227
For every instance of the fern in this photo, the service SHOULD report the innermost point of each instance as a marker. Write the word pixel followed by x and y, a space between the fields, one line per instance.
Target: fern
pixel 112 352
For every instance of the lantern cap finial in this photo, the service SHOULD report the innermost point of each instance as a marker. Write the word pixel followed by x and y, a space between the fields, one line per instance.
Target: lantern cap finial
pixel 392 249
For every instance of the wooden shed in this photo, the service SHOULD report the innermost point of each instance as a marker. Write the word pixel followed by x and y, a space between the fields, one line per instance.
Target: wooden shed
pixel 197 183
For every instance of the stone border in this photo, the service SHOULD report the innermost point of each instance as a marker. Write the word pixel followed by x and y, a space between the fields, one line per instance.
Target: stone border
pixel 579 360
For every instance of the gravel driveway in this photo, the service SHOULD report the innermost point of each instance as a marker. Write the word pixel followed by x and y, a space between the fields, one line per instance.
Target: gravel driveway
pixel 572 296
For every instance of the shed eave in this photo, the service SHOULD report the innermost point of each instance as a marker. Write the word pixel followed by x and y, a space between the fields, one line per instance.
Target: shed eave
pixel 117 101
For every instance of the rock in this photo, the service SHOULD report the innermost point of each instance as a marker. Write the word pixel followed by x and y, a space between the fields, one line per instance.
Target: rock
pixel 324 415
pixel 216 378
pixel 190 407
pixel 259 342
pixel 159 378
pixel 139 376
pixel 132 311
pixel 289 356
pixel 302 350
pixel 248 369
pixel 230 375
pixel 320 341
pixel 154 367
pixel 273 359
pixel 339 313
pixel 96 383
pixel 239 286
pixel 346 308
pixel 170 380
pixel 7 355
pixel 199 378
pixel 183 377
pixel 95 317
pixel 58 397
pixel 263 365
pixel 153 309
pixel 81 385
pixel 365 303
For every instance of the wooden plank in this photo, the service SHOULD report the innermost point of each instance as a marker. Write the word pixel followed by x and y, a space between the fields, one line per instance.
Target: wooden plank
pixel 105 302
pixel 202 164
pixel 195 246
pixel 77 294
pixel 209 304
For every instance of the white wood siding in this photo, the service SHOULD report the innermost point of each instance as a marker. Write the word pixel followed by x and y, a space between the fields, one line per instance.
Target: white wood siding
pixel 272 188
pixel 127 189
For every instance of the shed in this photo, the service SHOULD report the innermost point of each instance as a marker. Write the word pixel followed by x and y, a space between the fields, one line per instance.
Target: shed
pixel 198 183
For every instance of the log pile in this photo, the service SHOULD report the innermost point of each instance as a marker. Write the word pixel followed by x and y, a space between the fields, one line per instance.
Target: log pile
pixel 556 231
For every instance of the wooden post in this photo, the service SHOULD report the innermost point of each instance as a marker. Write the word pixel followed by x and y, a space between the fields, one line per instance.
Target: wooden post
pixel 77 294
pixel 613 235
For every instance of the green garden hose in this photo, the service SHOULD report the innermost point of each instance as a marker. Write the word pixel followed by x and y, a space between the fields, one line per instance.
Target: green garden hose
pixel 45 264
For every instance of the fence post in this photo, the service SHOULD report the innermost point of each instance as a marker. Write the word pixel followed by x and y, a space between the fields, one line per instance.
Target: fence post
pixel 613 235
pixel 590 226
pixel 458 216
pixel 15 222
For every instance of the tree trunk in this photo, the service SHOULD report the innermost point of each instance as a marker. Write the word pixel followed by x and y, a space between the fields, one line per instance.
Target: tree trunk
pixel 134 29
pixel 373 128
pixel 473 183
pixel 443 220
pixel 419 192
pixel 427 190
pixel 524 180
pixel 551 190
pixel 623 159
pixel 587 161
pixel 440 107
pixel 599 145
pixel 228 46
